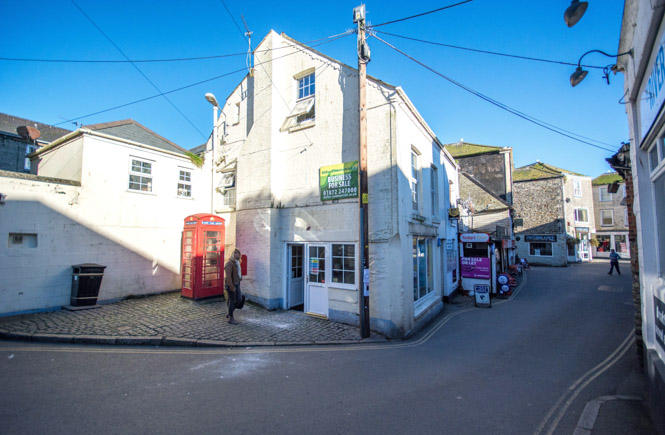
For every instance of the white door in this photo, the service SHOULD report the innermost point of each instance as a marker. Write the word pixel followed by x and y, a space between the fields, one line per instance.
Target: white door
pixel 316 293
pixel 296 285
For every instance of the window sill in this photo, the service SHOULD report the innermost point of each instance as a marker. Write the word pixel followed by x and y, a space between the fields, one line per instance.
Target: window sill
pixel 225 210
pixel 436 221
pixel 185 197
pixel 141 192
pixel 423 304
pixel 418 217
pixel 302 126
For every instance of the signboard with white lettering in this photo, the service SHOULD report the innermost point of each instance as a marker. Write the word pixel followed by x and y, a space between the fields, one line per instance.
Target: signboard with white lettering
pixel 474 237
pixel 659 308
pixel 339 181
pixel 653 94
pixel 543 238
pixel 482 292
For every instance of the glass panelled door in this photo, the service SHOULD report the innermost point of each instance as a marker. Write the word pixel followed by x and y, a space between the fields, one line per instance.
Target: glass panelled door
pixel 316 295
pixel 296 287
pixel 211 259
pixel 187 266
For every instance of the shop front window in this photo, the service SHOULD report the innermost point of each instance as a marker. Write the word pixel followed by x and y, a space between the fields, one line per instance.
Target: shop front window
pixel 423 267
pixel 620 243
pixel 603 243
pixel 541 249
pixel 344 264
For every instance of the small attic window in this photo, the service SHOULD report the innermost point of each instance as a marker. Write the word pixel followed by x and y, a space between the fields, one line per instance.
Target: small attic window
pixel 303 113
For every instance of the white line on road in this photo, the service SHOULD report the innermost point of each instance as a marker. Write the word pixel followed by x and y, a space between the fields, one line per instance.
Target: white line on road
pixel 576 388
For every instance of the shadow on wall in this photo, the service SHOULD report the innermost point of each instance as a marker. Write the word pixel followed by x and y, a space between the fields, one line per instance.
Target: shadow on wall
pixel 43 244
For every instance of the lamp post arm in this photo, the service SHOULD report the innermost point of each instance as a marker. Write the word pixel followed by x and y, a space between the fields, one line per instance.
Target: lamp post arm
pixel 579 62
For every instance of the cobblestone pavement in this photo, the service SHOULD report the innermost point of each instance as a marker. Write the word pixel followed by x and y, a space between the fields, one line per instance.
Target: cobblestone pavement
pixel 168 319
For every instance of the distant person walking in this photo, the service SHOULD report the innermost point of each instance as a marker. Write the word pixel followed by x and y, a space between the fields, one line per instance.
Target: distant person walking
pixel 614 262
pixel 232 280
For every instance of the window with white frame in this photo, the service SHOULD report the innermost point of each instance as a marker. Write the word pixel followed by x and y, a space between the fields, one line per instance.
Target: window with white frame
pixel 344 263
pixel 185 183
pixel 423 267
pixel 236 114
pixel 227 188
pixel 625 216
pixel 607 218
pixel 577 188
pixel 434 186
pixel 140 175
pixel 581 215
pixel 304 109
pixel 540 249
pixel 604 195
pixel 29 149
pixel 415 180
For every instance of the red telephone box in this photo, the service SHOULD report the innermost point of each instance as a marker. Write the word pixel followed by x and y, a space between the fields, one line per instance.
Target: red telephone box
pixel 203 256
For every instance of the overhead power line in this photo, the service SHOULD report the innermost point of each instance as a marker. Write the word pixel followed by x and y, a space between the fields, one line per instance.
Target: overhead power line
pixel 505 107
pixel 138 69
pixel 420 15
pixel 336 37
pixel 485 51
pixel 177 59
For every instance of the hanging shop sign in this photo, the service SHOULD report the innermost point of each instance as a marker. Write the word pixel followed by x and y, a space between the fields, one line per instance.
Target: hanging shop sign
pixel 653 95
pixel 339 181
pixel 474 237
pixel 543 238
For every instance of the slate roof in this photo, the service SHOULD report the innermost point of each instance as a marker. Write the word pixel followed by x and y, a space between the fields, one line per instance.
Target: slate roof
pixel 540 171
pixel 131 130
pixel 49 133
pixel 607 179
pixel 463 149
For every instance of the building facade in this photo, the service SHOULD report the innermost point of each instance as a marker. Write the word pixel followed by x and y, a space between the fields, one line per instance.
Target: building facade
pixel 286 180
pixel 113 194
pixel 554 212
pixel 643 36
pixel 15 149
pixel 611 216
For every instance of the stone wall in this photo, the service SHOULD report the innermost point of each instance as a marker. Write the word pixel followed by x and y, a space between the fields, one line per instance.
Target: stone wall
pixel 489 169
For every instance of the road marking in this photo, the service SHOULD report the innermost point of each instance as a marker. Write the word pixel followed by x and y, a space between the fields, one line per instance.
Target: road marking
pixel 289 349
pixel 576 388
pixel 588 418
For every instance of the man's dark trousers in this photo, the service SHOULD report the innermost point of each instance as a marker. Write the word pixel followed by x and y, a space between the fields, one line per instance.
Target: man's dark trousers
pixel 613 264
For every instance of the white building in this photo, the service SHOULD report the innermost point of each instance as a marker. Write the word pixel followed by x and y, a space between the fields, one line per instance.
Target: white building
pixel 643 32
pixel 279 133
pixel 115 194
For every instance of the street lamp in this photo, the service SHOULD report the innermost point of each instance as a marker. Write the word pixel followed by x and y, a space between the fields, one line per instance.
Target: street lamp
pixel 215 106
pixel 575 12
pixel 580 73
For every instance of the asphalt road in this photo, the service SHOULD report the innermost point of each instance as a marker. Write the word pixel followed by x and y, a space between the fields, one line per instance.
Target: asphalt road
pixel 527 365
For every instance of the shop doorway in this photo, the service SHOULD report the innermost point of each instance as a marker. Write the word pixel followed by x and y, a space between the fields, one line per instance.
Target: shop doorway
pixel 295 297
pixel 316 290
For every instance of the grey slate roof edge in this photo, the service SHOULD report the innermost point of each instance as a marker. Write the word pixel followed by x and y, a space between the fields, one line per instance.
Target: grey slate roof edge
pixel 32 177
pixel 49 132
pixel 105 125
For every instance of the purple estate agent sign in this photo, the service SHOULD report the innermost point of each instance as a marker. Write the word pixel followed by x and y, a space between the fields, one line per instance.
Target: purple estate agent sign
pixel 476 267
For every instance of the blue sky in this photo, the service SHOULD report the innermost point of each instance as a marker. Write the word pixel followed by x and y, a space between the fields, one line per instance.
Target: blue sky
pixel 56 92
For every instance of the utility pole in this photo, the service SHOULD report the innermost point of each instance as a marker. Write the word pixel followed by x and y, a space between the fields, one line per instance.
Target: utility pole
pixel 363 58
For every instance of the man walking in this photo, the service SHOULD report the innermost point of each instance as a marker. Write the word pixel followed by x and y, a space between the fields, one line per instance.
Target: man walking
pixel 614 262
pixel 232 284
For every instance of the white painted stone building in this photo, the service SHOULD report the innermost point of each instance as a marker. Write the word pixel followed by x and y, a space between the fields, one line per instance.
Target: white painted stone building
pixel 643 35
pixel 115 194
pixel 298 113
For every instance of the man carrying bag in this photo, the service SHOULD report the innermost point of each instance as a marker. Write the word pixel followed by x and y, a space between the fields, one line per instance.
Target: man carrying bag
pixel 232 280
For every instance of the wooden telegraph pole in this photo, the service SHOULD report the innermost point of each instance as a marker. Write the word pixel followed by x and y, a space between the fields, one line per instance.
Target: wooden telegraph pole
pixel 363 58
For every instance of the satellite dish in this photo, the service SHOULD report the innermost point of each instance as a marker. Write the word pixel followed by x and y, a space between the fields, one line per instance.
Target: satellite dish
pixel 27 132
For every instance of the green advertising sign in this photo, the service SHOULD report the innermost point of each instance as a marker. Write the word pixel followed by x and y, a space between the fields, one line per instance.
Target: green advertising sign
pixel 339 181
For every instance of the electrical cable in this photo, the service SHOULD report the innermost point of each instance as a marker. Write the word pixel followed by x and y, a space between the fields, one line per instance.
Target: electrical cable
pixel 181 59
pixel 420 15
pixel 138 69
pixel 483 51
pixel 189 85
pixel 497 103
